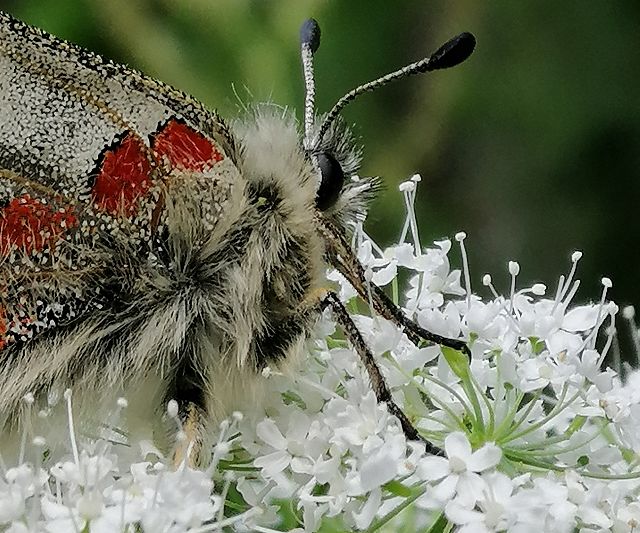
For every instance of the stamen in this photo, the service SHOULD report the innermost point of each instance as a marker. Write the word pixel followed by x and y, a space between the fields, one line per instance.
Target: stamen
pixel 72 433
pixel 563 286
pixel 218 526
pixel 606 285
pixel 559 291
pixel 172 410
pixel 571 294
pixel 38 443
pixel 514 270
pixel 228 478
pixel 539 289
pixel 407 188
pixel 629 313
pixel 590 340
pixel 611 335
pixel 160 468
pixel 486 281
pixel 28 400
pixel 575 257
pixel 460 237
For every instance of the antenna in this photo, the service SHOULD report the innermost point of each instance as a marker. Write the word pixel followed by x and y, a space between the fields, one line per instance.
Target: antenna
pixel 309 43
pixel 450 54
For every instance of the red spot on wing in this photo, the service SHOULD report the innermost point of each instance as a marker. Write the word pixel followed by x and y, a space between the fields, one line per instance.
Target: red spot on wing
pixel 184 147
pixel 32 225
pixel 124 177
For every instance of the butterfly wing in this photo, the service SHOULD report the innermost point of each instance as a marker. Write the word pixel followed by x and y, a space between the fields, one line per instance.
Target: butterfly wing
pixel 86 148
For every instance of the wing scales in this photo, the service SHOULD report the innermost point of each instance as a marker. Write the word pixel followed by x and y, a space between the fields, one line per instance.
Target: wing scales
pixel 85 148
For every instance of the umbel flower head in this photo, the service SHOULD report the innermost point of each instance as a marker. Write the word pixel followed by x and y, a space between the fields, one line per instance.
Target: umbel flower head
pixel 537 434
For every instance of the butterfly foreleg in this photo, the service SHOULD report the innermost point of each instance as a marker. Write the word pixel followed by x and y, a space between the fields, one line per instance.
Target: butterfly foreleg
pixel 378 383
pixel 345 261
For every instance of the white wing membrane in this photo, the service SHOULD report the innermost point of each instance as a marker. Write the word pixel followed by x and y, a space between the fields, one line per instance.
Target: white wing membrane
pixel 60 106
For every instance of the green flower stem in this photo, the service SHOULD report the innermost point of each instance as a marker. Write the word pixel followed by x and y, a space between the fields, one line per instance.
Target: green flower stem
pixel 459 365
pixel 504 426
pixel 442 405
pixel 524 459
pixel 492 419
pixel 552 414
pixel 395 295
pixel 612 477
pixel 377 524
pixel 525 446
pixel 440 525
pixel 523 416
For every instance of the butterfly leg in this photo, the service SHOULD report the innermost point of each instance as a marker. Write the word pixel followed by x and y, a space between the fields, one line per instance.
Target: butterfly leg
pixel 189 444
pixel 378 383
pixel 342 257
pixel 187 388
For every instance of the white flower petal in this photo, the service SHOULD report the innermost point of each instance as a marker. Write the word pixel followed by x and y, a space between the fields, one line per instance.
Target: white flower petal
pixel 378 469
pixel 470 489
pixel 368 511
pixel 457 445
pixel 486 457
pixel 446 489
pixel 432 468
pixel 269 432
pixel 273 463
pixel 459 514
pixel 580 318
pixel 385 275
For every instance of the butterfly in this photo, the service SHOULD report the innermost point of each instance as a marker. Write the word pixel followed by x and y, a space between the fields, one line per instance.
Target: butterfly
pixel 152 249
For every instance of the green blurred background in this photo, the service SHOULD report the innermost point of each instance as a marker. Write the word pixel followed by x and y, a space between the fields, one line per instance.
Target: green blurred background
pixel 531 146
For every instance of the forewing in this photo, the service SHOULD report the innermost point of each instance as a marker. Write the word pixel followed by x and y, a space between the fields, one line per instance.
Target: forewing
pixel 86 149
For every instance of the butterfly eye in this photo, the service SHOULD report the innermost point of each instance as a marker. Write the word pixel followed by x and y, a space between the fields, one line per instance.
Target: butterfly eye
pixel 331 183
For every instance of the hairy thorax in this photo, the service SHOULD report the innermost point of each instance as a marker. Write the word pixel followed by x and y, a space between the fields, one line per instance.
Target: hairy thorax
pixel 201 308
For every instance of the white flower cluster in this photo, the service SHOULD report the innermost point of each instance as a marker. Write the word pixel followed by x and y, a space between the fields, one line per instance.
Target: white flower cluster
pixel 536 435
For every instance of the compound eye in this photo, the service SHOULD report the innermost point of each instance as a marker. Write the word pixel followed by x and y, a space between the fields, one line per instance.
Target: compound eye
pixel 331 183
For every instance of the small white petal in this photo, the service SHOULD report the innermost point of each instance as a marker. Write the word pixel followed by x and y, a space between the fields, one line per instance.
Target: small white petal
pixel 377 470
pixel 580 318
pixel 432 468
pixel 486 457
pixel 273 463
pixel 459 514
pixel 369 509
pixel 268 431
pixel 385 275
pixel 446 489
pixel 457 445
